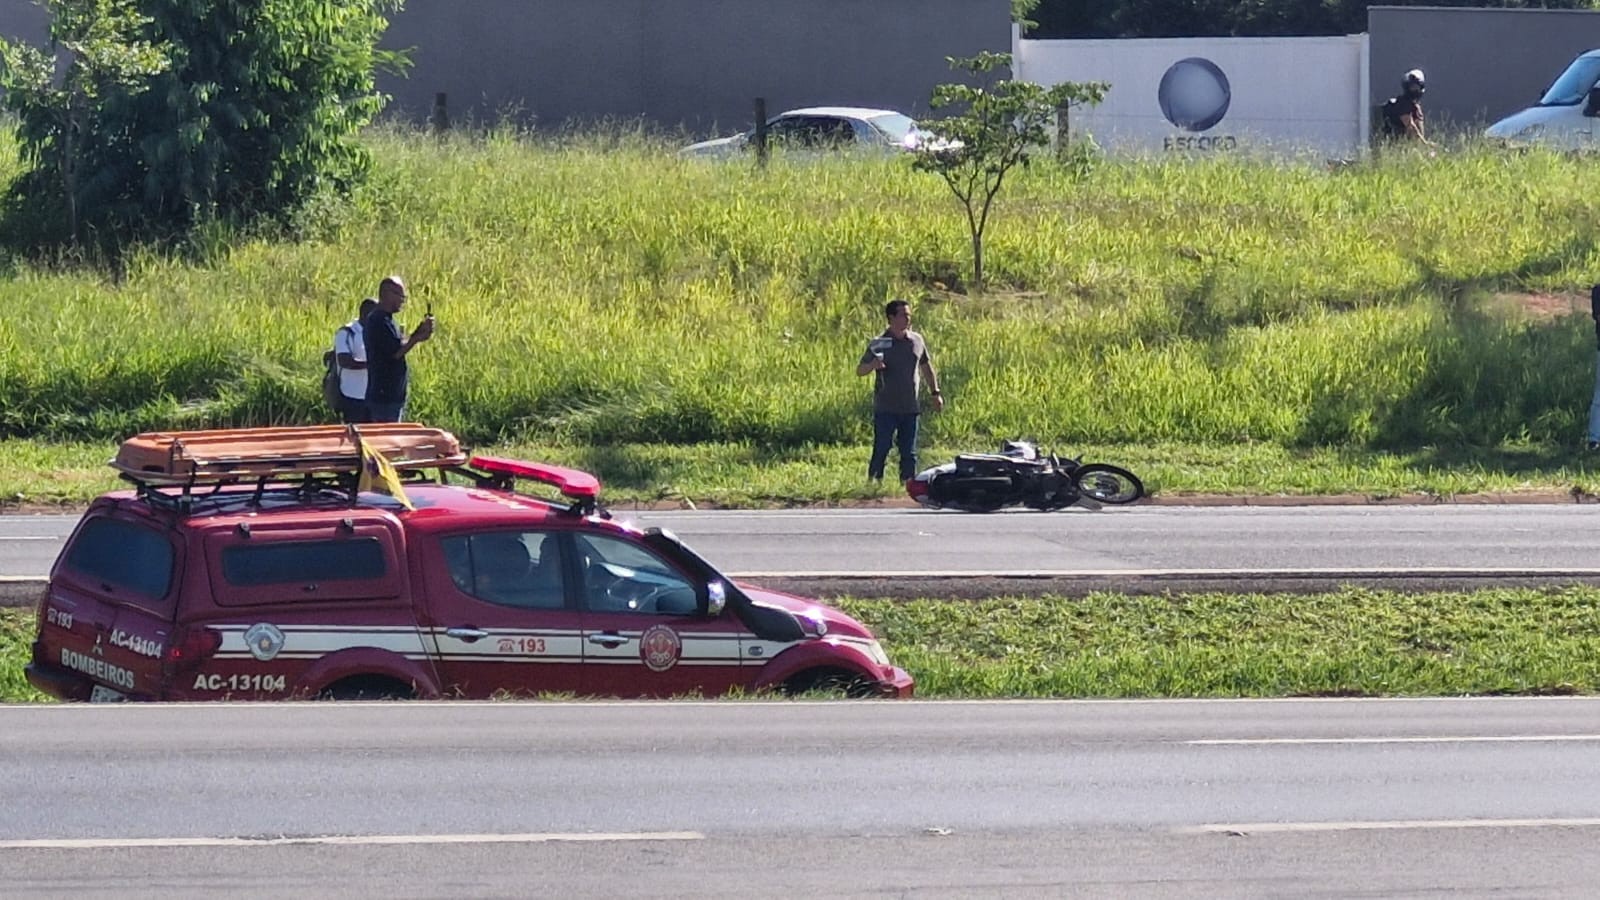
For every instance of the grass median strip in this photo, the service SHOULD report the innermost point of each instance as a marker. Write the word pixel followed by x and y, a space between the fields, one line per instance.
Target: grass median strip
pixel 1344 643
pixel 1350 642
pixel 69 475
pixel 16 636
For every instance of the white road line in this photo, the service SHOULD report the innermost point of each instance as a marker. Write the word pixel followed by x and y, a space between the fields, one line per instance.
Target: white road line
pixel 1014 574
pixel 1398 825
pixel 211 707
pixel 349 840
pixel 1439 739
pixel 1309 572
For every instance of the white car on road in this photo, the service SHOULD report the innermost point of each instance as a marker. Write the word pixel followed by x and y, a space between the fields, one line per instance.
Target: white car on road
pixel 1567 117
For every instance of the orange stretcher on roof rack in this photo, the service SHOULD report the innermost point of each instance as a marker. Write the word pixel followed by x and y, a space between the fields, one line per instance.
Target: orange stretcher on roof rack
pixel 239 454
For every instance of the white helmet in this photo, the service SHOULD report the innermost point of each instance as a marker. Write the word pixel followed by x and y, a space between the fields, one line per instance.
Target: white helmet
pixel 1414 77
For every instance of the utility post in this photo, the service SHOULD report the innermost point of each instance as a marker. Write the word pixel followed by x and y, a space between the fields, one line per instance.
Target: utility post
pixel 761 132
pixel 1063 134
pixel 440 118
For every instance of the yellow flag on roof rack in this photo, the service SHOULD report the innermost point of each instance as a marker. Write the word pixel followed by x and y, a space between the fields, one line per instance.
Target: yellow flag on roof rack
pixel 378 474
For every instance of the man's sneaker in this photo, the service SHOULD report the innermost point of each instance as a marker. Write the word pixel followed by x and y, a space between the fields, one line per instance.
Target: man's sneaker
pixel 1594 445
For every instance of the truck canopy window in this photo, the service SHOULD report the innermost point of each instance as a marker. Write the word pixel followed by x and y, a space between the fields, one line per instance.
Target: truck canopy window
pixel 303 561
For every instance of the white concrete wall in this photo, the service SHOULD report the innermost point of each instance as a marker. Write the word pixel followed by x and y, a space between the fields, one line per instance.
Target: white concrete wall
pixel 1281 96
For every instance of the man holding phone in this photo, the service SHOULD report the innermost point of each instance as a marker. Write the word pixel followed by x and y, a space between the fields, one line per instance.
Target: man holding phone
pixel 900 363
pixel 388 376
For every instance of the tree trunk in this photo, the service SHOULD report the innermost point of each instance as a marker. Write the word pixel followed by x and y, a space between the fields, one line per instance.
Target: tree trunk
pixel 977 262
pixel 69 139
pixel 69 177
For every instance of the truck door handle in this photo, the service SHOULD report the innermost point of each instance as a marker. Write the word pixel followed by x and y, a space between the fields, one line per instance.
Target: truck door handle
pixel 466 634
pixel 608 639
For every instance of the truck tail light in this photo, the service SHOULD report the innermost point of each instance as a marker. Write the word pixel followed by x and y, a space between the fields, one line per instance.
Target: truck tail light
pixel 189 648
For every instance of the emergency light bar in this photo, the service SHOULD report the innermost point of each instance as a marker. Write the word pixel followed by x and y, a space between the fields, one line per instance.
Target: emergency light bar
pixel 572 483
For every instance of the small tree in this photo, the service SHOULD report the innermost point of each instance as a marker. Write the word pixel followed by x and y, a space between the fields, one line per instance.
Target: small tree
pixel 998 123
pixel 175 112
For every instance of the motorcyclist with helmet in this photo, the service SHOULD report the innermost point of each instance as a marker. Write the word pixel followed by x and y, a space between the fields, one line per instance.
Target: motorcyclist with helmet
pixel 1402 115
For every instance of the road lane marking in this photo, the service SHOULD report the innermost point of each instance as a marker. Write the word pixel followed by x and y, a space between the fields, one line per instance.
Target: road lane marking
pixel 1303 572
pixel 1396 825
pixel 1439 739
pixel 1407 572
pixel 349 840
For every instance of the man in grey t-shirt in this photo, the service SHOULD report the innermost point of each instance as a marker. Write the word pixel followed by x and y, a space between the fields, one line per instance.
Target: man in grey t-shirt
pixel 900 361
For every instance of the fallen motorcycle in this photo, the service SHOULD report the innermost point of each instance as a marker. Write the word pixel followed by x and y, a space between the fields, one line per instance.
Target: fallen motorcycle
pixel 1019 476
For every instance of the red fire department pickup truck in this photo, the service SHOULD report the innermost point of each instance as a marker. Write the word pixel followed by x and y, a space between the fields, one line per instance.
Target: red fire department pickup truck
pixel 379 561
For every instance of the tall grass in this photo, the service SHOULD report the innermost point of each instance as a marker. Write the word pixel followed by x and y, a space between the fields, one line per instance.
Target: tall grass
pixel 600 290
pixel 17 628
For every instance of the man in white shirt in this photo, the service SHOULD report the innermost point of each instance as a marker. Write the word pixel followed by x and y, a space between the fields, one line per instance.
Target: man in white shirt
pixel 350 348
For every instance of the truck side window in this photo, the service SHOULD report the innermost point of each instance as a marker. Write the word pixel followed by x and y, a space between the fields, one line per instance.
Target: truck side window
pixel 292 562
pixel 621 576
pixel 508 568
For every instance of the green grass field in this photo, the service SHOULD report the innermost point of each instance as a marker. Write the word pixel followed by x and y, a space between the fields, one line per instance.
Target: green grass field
pixel 690 329
pixel 1346 643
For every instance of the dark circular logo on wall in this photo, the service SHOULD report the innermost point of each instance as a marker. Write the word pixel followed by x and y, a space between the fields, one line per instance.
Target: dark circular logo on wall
pixel 1194 94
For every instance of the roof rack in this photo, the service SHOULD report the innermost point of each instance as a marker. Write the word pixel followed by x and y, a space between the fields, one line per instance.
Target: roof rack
pixel 227 456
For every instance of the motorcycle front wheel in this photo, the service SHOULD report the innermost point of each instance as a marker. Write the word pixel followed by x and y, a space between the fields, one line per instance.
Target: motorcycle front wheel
pixel 1107 484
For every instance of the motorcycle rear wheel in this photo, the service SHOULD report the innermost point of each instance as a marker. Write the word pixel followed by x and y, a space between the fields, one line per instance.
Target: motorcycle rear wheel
pixel 1107 484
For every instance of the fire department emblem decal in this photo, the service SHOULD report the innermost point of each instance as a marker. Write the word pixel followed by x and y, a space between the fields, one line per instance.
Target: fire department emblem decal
pixel 660 648
pixel 264 641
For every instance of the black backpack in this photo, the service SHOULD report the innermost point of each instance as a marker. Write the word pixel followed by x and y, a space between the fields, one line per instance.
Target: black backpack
pixel 1594 310
pixel 331 393
pixel 1392 126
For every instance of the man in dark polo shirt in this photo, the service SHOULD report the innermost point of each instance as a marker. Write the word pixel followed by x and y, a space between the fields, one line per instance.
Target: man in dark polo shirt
pixel 387 374
pixel 900 361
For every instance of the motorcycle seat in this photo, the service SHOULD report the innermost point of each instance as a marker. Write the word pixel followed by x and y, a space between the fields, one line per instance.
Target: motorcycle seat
pixel 988 464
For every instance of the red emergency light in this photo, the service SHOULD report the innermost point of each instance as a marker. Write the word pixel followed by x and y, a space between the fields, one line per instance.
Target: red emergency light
pixel 572 483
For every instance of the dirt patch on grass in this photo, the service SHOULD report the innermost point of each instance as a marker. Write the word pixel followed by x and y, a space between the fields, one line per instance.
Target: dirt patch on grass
pixel 1536 306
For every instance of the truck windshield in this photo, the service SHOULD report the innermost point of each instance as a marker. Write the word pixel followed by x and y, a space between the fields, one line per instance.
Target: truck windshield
pixel 1574 84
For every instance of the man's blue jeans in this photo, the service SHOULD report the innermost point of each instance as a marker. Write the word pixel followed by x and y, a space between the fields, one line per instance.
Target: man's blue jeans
pixel 385 412
pixel 897 429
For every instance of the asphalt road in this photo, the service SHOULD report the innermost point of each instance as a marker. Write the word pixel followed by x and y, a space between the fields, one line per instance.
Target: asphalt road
pixel 917 551
pixel 1163 798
